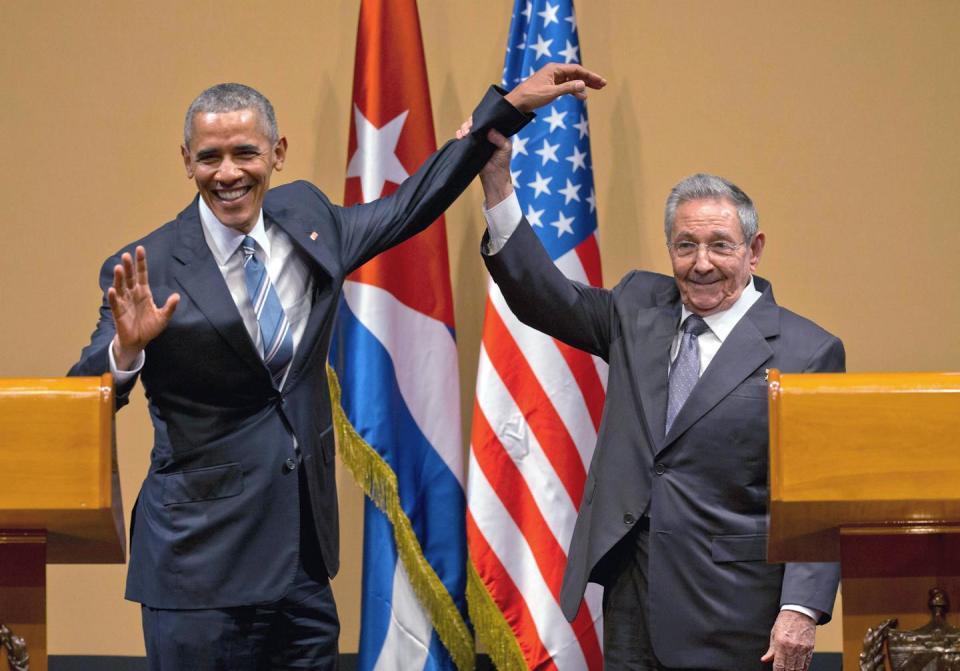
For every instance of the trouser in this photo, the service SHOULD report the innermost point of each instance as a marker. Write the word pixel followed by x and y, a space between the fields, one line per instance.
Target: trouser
pixel 299 631
pixel 626 612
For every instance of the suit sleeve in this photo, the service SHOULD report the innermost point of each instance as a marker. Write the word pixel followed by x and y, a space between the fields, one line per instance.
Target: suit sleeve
pixel 814 584
pixel 543 298
pixel 370 228
pixel 94 359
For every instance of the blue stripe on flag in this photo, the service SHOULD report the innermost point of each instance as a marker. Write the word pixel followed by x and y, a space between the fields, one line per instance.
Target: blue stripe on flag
pixel 379 564
pixel 374 405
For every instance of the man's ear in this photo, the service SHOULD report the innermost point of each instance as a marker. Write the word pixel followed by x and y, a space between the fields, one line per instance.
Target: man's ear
pixel 756 250
pixel 187 163
pixel 280 153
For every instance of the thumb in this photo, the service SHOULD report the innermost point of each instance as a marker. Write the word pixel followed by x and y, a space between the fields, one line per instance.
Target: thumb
pixel 170 306
pixel 497 139
pixel 768 655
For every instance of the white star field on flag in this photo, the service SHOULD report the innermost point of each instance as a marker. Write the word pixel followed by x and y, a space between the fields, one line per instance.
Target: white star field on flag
pixel 550 168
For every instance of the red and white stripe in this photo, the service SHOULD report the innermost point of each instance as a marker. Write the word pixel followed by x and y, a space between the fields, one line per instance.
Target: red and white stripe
pixel 535 422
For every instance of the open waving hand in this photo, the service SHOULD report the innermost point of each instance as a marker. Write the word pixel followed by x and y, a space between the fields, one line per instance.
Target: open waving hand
pixel 137 318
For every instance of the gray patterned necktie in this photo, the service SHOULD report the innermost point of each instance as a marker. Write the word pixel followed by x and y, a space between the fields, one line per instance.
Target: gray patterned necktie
pixel 275 335
pixel 685 370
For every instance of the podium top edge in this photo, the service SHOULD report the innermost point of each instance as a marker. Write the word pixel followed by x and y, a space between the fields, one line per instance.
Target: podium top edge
pixel 29 386
pixel 869 382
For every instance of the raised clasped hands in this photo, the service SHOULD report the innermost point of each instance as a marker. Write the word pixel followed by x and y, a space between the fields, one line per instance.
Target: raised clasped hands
pixel 136 317
pixel 543 86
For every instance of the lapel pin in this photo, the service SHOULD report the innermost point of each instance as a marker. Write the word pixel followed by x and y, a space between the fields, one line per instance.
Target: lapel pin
pixel 766 374
pixel 314 235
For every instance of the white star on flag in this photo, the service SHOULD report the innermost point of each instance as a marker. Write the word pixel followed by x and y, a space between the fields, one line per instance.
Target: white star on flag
pixel 540 185
pixel 549 14
pixel 527 10
pixel 592 199
pixel 572 19
pixel 582 127
pixel 375 161
pixel 570 192
pixel 555 119
pixel 570 54
pixel 578 159
pixel 548 152
pixel 563 224
pixel 513 178
pixel 520 145
pixel 533 216
pixel 542 48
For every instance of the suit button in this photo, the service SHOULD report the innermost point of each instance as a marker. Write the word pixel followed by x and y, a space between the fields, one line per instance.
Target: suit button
pixel 289 465
pixel 660 469
pixel 629 519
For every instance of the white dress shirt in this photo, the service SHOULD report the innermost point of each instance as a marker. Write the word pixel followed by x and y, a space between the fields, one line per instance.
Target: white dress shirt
pixel 503 219
pixel 720 324
pixel 288 272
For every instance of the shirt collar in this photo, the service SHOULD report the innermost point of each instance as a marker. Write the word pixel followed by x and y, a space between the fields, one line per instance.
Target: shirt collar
pixel 722 323
pixel 223 240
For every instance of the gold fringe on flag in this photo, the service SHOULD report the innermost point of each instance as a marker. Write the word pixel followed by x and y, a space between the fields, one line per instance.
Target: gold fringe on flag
pixel 492 628
pixel 379 482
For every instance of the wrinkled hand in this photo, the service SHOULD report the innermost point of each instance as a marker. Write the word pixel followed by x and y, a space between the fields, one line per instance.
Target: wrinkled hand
pixel 495 175
pixel 791 642
pixel 137 318
pixel 552 81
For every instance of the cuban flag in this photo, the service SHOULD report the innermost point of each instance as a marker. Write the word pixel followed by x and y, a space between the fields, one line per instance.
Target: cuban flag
pixel 394 354
pixel 539 401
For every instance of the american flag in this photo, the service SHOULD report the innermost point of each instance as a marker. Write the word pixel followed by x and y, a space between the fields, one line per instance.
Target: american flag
pixel 538 402
pixel 394 352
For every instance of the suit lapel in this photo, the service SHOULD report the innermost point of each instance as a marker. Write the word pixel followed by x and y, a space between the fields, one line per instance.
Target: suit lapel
pixel 744 350
pixel 655 329
pixel 201 280
pixel 316 250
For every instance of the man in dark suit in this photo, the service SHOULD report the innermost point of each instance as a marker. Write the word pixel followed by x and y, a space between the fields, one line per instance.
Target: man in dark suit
pixel 673 521
pixel 234 534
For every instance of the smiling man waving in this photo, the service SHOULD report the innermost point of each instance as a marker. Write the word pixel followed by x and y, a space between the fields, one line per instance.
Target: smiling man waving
pixel 234 535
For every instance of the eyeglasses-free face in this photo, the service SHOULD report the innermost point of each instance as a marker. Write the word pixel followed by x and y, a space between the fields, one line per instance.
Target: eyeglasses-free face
pixel 712 263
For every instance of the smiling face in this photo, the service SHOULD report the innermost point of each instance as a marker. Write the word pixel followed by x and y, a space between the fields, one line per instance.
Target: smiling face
pixel 231 158
pixel 711 283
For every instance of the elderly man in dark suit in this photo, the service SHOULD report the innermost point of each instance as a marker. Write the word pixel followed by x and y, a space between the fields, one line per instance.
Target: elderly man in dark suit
pixel 234 535
pixel 673 521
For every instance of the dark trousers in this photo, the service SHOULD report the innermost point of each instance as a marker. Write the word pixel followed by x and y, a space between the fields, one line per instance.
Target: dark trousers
pixel 299 631
pixel 626 612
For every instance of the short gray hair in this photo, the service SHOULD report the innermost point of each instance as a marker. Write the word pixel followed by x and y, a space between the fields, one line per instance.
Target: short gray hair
pixel 703 185
pixel 231 97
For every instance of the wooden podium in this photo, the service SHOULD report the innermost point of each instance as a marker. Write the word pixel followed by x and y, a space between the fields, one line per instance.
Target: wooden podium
pixel 59 493
pixel 865 470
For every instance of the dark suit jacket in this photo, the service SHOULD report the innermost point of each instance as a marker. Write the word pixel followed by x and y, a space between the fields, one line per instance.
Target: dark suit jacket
pixel 217 521
pixel 713 598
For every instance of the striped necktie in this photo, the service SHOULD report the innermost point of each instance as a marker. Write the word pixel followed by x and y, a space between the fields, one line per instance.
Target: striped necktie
pixel 685 371
pixel 276 338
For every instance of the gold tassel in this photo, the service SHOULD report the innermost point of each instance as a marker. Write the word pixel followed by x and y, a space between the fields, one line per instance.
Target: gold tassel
pixel 492 628
pixel 379 482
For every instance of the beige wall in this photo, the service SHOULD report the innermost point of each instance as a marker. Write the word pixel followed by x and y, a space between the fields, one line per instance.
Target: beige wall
pixel 839 118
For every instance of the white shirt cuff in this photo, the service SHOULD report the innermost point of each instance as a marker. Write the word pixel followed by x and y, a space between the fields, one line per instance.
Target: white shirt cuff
pixel 809 612
pixel 502 220
pixel 122 376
